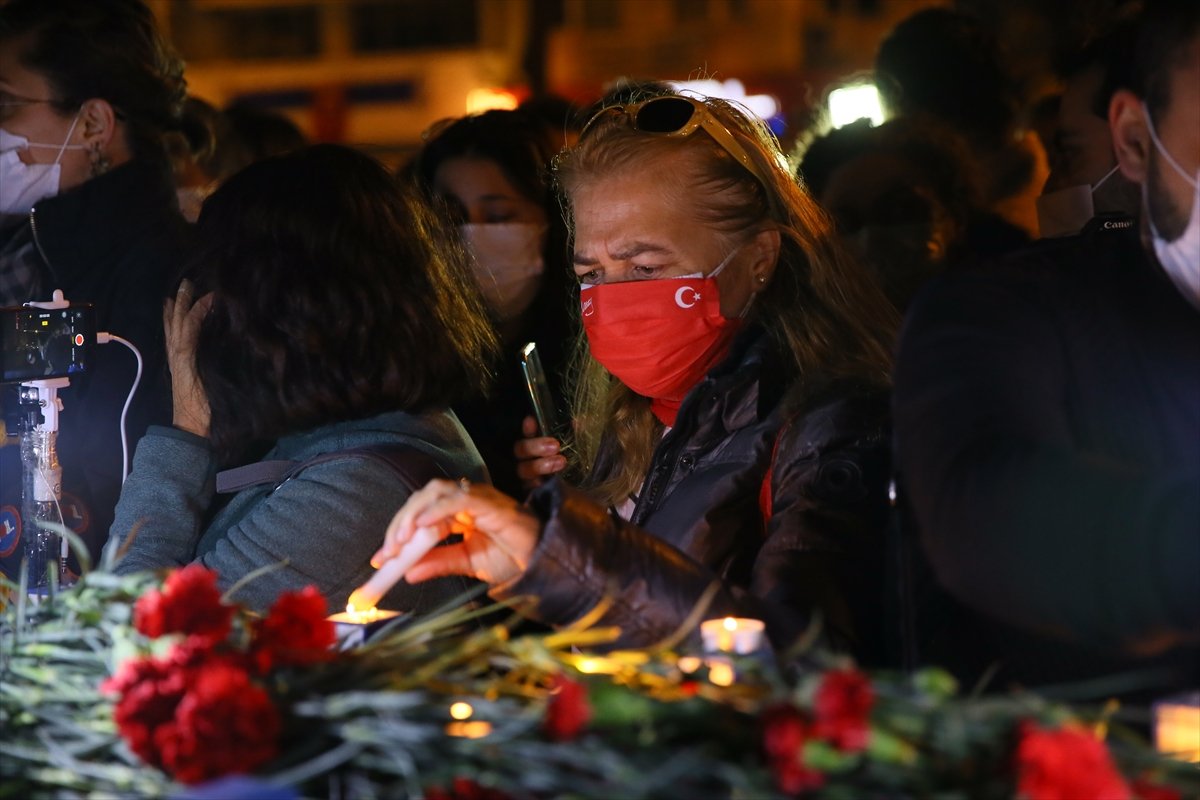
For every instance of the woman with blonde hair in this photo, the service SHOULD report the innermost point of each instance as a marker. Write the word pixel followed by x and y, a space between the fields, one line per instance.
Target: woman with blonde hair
pixel 732 407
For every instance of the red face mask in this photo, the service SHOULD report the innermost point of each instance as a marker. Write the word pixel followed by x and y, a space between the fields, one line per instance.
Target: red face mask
pixel 659 337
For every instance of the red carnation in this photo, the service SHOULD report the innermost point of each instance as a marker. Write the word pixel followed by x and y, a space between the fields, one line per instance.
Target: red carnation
pixel 1145 790
pixel 843 707
pixel 568 710
pixel 294 632
pixel 188 603
pixel 785 730
pixel 150 692
pixel 224 725
pixel 465 789
pixel 1065 764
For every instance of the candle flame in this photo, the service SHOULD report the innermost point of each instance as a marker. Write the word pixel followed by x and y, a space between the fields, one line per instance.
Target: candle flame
pixel 730 624
pixel 720 673
pixel 474 729
pixel 461 710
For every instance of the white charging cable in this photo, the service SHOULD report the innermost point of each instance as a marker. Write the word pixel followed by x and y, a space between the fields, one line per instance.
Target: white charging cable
pixel 105 338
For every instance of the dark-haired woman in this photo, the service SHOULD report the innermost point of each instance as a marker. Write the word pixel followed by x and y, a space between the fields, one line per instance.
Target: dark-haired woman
pixel 88 93
pixel 490 171
pixel 328 319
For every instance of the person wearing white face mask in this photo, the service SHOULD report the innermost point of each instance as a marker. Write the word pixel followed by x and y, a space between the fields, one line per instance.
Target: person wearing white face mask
pixel 487 172
pixel 1048 418
pixel 88 91
pixel 1085 182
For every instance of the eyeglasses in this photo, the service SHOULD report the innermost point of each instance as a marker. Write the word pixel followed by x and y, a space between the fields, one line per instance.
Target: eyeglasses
pixel 680 116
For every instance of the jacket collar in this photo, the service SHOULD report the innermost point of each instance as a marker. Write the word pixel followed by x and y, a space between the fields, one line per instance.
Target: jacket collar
pixel 100 217
pixel 745 387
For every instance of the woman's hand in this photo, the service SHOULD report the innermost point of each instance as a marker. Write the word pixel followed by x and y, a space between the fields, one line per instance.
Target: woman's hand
pixel 499 534
pixel 181 326
pixel 538 457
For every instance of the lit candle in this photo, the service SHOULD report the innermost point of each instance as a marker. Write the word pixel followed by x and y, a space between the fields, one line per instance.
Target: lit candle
pixel 351 624
pixel 392 571
pixel 1177 726
pixel 469 729
pixel 732 635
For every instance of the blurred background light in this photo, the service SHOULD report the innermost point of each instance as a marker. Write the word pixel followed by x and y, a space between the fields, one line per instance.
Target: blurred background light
pixel 852 103
pixel 480 100
pixel 763 106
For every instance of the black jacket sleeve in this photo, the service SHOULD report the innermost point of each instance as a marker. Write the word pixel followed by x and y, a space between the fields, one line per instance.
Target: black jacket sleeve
pixel 1018 519
pixel 821 552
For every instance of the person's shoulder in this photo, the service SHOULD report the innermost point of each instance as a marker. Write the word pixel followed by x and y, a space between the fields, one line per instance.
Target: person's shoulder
pixel 1045 273
pixel 436 433
pixel 840 410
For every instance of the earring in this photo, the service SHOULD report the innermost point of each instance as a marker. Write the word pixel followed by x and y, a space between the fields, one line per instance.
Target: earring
pixel 100 162
pixel 762 279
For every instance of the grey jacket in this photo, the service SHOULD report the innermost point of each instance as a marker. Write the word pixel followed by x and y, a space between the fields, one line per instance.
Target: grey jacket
pixel 325 522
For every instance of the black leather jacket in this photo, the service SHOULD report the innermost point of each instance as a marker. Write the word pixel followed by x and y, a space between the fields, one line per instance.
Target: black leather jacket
pixel 699 519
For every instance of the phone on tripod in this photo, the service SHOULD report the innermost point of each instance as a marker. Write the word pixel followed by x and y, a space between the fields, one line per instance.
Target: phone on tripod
pixel 43 343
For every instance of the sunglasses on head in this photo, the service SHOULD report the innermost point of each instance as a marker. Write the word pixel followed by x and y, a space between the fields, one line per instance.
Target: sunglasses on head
pixel 676 115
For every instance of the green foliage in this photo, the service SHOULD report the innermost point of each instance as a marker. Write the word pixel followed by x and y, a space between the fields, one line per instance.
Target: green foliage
pixel 373 722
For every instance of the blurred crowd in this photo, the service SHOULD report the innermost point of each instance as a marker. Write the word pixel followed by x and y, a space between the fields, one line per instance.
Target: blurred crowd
pixel 927 392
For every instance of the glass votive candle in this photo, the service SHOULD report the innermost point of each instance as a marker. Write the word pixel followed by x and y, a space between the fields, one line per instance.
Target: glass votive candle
pixel 1177 726
pixel 352 626
pixel 738 635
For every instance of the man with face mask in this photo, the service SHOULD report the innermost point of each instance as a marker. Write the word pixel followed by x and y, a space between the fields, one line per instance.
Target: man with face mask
pixel 1085 183
pixel 1047 412
pixel 88 92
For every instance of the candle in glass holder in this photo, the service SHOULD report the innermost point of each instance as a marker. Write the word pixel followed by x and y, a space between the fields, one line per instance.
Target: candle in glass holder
pixel 732 635
pixel 352 625
pixel 1177 726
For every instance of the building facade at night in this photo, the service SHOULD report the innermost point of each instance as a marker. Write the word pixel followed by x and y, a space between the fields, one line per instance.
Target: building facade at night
pixel 379 72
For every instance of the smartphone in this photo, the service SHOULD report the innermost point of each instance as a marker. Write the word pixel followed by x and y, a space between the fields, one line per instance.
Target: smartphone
pixel 41 343
pixel 539 390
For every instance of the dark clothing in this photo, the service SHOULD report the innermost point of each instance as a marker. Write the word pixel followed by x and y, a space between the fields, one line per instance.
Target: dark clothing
pixel 113 241
pixel 1047 414
pixel 698 518
pixel 494 420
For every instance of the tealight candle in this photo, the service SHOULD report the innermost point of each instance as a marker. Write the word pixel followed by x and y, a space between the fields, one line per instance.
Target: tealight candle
pixel 351 624
pixel 1177 727
pixel 469 729
pixel 732 635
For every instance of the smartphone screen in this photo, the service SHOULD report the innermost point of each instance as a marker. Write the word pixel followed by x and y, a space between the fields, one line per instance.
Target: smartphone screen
pixel 539 390
pixel 39 343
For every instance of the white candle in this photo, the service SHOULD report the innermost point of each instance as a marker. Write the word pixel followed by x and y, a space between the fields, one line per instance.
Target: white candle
pixel 392 570
pixel 732 635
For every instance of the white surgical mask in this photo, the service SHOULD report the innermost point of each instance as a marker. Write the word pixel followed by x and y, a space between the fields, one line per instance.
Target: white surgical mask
pixel 22 185
pixel 1180 258
pixel 1064 212
pixel 508 264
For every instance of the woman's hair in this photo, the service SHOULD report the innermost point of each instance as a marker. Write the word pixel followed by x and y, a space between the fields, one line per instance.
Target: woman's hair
pixel 515 141
pixel 521 146
pixel 338 296
pixel 108 49
pixel 820 308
